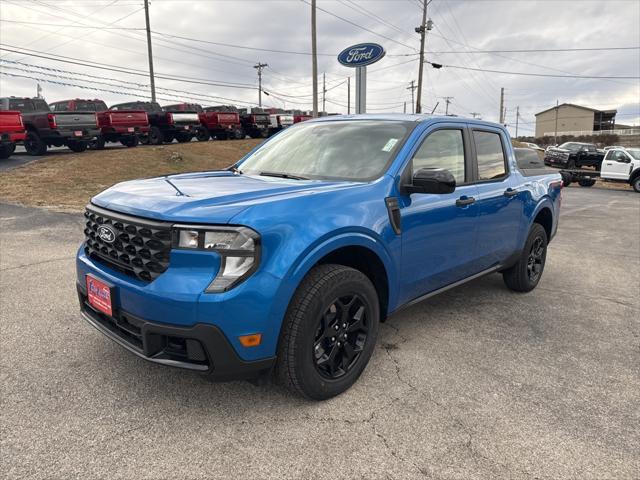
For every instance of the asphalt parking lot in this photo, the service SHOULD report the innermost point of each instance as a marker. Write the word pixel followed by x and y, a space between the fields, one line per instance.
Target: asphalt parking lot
pixel 477 383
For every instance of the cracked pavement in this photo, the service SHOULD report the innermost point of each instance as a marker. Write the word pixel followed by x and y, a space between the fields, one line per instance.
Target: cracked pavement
pixel 478 382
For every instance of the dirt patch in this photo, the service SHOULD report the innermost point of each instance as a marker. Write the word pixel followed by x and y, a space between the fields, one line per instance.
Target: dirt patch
pixel 67 181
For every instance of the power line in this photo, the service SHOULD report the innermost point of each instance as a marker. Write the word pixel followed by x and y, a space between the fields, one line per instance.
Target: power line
pixel 541 50
pixel 603 77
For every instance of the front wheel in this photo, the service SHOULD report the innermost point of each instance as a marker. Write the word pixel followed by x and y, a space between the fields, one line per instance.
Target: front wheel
pixel 635 183
pixel 525 275
pixel 155 136
pixel 329 332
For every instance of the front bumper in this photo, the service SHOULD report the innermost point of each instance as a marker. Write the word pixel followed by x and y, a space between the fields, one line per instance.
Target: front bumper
pixel 200 347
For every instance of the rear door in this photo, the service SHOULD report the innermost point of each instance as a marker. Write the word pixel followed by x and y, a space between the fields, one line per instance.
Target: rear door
pixel 439 230
pixel 499 202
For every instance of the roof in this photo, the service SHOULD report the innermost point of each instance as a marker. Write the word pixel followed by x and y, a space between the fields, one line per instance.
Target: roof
pixel 406 117
pixel 575 106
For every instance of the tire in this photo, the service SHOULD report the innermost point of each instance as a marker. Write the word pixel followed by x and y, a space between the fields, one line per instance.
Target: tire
pixel 5 151
pixel 312 327
pixel 34 145
pixel 156 136
pixel 98 143
pixel 12 148
pixel 130 142
pixel 183 137
pixel 635 183
pixel 77 146
pixel 203 135
pixel 239 134
pixel 584 182
pixel 527 272
pixel 222 136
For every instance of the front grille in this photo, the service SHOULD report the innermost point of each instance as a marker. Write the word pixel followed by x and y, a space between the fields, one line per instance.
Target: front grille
pixel 140 249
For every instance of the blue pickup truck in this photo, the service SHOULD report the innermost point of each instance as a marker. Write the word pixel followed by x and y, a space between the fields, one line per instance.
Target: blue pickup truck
pixel 284 264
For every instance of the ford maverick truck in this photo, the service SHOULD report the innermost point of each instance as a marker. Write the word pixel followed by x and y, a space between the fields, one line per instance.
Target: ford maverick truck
pixel 285 263
pixel 11 132
pixel 123 126
pixel 44 128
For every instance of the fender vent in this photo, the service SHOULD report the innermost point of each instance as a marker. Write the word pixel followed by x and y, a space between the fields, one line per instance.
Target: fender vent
pixel 394 214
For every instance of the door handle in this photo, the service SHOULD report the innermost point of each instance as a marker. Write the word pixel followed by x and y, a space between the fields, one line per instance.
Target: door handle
pixel 510 192
pixel 464 201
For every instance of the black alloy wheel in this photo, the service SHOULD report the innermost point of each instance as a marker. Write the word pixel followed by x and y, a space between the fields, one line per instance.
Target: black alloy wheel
pixel 535 262
pixel 341 336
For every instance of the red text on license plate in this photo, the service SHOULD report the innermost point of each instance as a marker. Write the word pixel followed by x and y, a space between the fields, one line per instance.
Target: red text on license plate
pixel 99 295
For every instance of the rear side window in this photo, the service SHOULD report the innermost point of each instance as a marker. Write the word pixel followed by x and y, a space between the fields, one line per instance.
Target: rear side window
pixel 41 105
pixel 491 158
pixel 527 158
pixel 22 105
pixel 442 149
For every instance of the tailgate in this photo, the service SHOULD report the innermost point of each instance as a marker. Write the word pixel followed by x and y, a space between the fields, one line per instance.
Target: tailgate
pixel 228 118
pixel 128 119
pixel 75 120
pixel 185 118
pixel 10 121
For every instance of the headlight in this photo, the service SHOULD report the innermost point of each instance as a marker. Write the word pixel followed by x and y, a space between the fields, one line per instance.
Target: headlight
pixel 239 248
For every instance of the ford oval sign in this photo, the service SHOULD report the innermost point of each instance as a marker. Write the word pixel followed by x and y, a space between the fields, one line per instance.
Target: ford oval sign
pixel 361 55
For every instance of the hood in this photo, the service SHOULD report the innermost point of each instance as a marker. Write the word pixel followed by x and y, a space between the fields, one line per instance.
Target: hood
pixel 207 197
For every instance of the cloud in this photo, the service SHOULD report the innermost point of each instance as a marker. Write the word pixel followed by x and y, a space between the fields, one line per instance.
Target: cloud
pixel 285 25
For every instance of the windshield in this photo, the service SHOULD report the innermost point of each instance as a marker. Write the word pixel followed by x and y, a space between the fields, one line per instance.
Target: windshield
pixel 343 150
pixel 634 152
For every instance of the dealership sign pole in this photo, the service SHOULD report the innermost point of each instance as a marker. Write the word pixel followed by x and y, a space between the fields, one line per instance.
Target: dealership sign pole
pixel 358 57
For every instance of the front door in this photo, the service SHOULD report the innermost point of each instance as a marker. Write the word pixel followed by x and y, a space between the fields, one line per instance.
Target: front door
pixel 616 165
pixel 439 230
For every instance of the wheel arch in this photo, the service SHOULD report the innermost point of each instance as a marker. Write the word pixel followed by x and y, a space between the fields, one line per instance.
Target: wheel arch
pixel 544 216
pixel 635 174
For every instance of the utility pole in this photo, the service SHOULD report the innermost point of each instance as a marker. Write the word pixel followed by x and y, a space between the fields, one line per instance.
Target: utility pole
pixel 555 133
pixel 348 95
pixel 314 58
pixel 324 92
pixel 501 106
pixel 447 102
pixel 422 30
pixel 405 107
pixel 259 67
pixel 474 114
pixel 38 91
pixel 413 87
pixel 150 52
pixel 517 117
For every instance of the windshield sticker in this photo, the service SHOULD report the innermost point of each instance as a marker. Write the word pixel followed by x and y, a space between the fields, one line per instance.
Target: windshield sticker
pixel 390 144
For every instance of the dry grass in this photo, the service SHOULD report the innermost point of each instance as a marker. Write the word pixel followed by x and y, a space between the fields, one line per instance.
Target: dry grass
pixel 66 181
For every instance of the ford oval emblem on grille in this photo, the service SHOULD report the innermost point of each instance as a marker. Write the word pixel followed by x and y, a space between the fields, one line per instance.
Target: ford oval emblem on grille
pixel 106 234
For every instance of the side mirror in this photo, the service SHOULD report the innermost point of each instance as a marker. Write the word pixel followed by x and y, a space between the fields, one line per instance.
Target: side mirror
pixel 432 180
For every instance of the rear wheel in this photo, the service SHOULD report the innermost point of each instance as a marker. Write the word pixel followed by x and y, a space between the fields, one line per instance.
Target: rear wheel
pixel 130 142
pixel 329 332
pixel 98 143
pixel 525 275
pixel 203 135
pixel 77 146
pixel 155 136
pixel 586 182
pixel 5 151
pixel 34 145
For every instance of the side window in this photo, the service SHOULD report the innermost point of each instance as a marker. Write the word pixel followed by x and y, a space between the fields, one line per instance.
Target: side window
pixel 610 155
pixel 620 156
pixel 442 149
pixel 491 158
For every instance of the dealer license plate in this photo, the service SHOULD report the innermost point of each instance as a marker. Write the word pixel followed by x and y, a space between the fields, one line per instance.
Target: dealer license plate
pixel 99 295
pixel 78 133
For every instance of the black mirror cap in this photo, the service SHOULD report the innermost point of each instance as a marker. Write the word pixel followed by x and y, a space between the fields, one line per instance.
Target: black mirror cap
pixel 432 180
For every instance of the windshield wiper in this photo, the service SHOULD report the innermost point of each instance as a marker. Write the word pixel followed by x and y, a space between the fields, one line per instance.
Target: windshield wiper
pixel 283 175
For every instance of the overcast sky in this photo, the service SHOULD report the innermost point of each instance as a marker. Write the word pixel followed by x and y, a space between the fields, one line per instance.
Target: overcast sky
pixel 459 27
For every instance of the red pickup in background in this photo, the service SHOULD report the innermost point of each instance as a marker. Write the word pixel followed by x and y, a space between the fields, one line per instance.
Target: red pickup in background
pixel 11 132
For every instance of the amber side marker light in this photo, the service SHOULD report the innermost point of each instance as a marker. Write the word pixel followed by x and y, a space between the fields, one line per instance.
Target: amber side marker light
pixel 252 340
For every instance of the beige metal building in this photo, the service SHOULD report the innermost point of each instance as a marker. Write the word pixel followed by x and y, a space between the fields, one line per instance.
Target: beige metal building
pixel 568 118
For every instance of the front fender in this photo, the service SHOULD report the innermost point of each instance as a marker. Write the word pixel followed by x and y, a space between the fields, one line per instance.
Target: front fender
pixel 325 245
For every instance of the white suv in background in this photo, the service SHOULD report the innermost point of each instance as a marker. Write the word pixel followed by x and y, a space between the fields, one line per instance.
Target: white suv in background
pixel 622 164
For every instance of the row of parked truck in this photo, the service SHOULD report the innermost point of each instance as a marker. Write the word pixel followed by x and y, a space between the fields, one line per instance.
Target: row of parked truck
pixel 80 124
